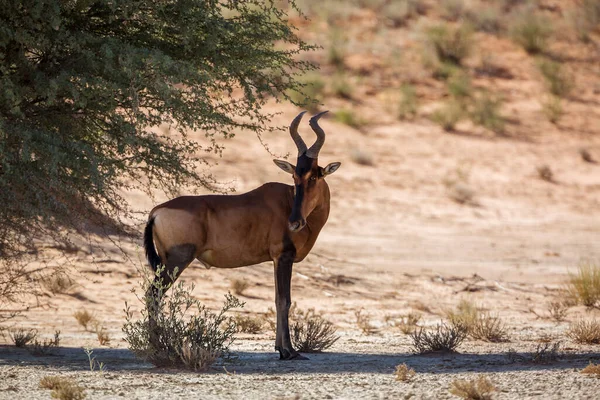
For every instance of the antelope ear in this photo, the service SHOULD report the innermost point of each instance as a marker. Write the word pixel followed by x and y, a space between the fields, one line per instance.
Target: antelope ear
pixel 331 168
pixel 286 166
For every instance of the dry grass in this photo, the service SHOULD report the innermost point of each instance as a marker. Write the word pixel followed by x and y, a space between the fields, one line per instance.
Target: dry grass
pixel 553 109
pixel 449 43
pixel 477 389
pixel 363 321
pixel 404 373
pixel 478 325
pixel 531 30
pixel 248 324
pixel 443 339
pixel 545 353
pixel 46 346
pixel 559 82
pixel 448 115
pixel 585 285
pixel 102 334
pixel 558 310
pixel 408 104
pixel 84 318
pixel 196 357
pixel 486 112
pixel 62 388
pixel 58 283
pixel 311 333
pixel 587 332
pixel 348 117
pixel 408 323
pixel 239 286
pixel 22 337
pixel 592 369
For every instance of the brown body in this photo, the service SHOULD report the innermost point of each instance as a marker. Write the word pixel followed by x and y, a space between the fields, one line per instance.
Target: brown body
pixel 275 222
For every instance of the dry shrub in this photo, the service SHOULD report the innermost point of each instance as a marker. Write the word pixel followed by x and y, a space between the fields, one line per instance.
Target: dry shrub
pixel 248 324
pixel 448 115
pixel 486 112
pixel 558 310
pixel 408 104
pixel 585 18
pixel 311 333
pixel 362 157
pixel 545 173
pixel 102 334
pixel 462 193
pixel 443 339
pixel 477 389
pixel 84 318
pixel 530 30
pixel 544 353
pixel 62 388
pixel 341 87
pixel 58 282
pixel 408 323
pixel 553 109
pixel 559 82
pixel 196 357
pixel 486 18
pixel 348 117
pixel 46 346
pixel 21 337
pixel 363 321
pixel 592 369
pixel 585 285
pixel 587 332
pixel 181 325
pixel 478 325
pixel 450 44
pixel 239 286
pixel 404 373
pixel 452 10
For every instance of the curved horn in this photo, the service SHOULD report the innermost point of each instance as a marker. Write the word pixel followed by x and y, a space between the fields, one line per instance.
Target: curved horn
pixel 313 152
pixel 295 136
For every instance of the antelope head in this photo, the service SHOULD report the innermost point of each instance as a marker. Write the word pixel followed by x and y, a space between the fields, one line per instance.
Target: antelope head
pixel 310 188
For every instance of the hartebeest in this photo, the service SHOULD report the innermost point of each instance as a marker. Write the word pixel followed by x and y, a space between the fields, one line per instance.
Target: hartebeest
pixel 274 222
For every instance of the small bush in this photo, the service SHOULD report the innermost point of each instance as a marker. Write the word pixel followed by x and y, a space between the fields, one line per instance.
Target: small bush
pixel 311 94
pixel 592 369
pixel 197 358
pixel 311 333
pixel 348 117
pixel 558 310
pixel 408 323
pixel 399 12
pixel 340 86
pixel 452 10
pixel 553 109
pixel 460 87
pixel 336 51
pixel 462 193
pixel 22 337
pixel 248 324
pixel 477 389
pixel 84 318
pixel 181 326
pixel 585 18
pixel 443 339
pixel 544 353
pixel 363 321
pixel 450 44
pixel 586 332
pixel 362 157
pixel 585 285
pixel 486 112
pixel 486 18
pixel 404 373
pixel 559 82
pixel 102 334
pixel 531 31
pixel 449 115
pixel 239 286
pixel 46 346
pixel 545 173
pixel 408 102
pixel 62 388
pixel 58 283
pixel 479 326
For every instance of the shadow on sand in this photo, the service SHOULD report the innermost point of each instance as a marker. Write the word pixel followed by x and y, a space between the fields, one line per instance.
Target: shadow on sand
pixel 243 362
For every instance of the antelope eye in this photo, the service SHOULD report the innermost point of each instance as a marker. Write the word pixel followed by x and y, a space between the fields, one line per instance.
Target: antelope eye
pixel 313 178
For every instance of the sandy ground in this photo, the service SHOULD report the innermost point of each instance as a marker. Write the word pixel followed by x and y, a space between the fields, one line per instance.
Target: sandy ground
pixel 400 243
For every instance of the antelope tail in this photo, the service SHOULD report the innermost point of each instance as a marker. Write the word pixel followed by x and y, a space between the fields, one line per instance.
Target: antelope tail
pixel 151 254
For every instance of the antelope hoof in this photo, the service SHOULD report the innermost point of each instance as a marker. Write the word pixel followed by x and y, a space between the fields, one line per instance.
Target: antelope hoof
pixel 289 355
